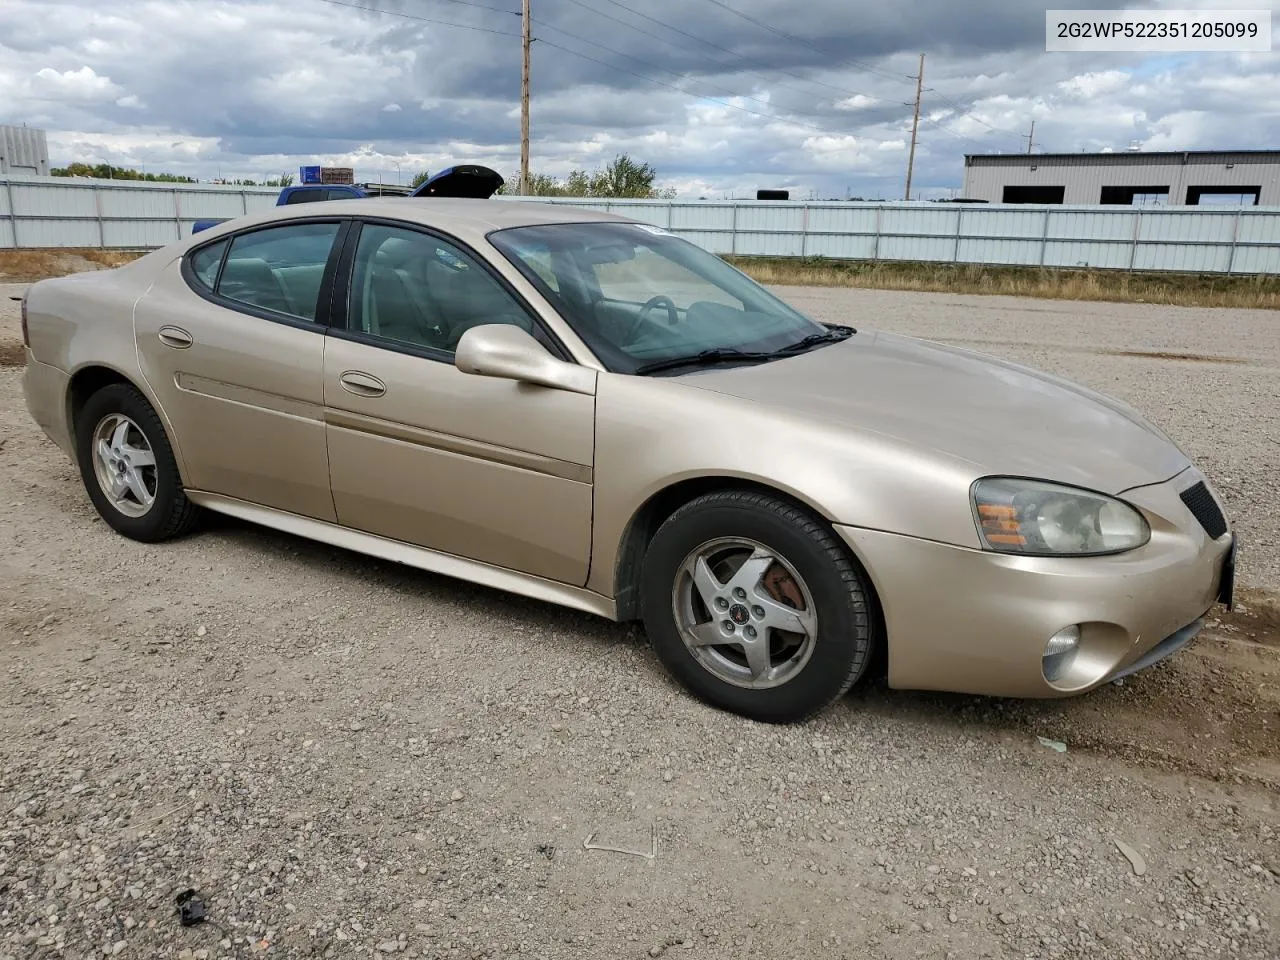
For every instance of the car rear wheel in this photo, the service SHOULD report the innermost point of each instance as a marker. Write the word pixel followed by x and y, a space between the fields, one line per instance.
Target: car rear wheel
pixel 753 606
pixel 128 467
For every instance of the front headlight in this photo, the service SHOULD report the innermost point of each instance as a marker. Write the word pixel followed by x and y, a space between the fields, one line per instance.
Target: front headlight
pixel 1048 519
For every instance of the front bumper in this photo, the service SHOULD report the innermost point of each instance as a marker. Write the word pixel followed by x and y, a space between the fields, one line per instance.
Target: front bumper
pixel 972 621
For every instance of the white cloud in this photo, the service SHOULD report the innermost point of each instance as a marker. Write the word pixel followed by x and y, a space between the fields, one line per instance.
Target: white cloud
pixel 81 84
pixel 858 101
pixel 244 88
pixel 1090 85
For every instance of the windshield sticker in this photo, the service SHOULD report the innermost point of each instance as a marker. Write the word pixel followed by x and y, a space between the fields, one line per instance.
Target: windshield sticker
pixel 656 231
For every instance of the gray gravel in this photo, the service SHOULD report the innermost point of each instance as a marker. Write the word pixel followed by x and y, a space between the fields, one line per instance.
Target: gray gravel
pixel 348 758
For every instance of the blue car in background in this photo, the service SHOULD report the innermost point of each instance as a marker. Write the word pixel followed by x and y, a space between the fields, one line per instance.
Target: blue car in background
pixel 464 180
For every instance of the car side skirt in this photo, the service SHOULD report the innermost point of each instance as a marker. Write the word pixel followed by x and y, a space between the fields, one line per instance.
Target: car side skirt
pixel 499 578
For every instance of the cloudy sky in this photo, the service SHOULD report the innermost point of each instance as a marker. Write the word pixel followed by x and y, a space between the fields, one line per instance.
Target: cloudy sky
pixel 722 96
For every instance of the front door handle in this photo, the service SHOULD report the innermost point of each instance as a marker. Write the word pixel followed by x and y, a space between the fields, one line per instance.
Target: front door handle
pixel 362 384
pixel 175 337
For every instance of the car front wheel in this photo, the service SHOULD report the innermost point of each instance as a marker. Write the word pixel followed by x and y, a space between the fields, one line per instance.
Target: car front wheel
pixel 752 605
pixel 128 467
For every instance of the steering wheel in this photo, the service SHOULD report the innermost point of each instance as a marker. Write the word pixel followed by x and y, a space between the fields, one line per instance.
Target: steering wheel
pixel 661 300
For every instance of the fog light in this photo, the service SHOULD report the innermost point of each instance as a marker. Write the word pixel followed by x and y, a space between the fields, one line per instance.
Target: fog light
pixel 1060 651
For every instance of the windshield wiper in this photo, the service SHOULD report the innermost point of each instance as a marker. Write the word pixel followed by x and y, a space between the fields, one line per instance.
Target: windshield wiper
pixel 814 339
pixel 730 354
pixel 705 358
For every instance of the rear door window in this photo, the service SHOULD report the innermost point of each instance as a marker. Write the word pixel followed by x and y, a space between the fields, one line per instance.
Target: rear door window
pixel 205 263
pixel 280 268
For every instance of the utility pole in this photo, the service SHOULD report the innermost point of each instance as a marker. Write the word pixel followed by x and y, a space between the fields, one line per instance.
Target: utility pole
pixel 526 40
pixel 1031 137
pixel 915 126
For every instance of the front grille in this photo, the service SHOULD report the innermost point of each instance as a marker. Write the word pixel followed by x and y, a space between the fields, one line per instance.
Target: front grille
pixel 1205 509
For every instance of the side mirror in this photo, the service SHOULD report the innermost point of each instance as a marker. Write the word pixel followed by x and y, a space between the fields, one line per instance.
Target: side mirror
pixel 506 351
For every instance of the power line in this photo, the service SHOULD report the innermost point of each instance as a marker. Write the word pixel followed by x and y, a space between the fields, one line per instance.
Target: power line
pixel 668 70
pixel 969 114
pixel 612 66
pixel 411 16
pixel 860 65
pixel 714 46
pixel 583 56
pixel 951 133
pixel 484 6
pixel 672 86
pixel 805 43
pixel 648 33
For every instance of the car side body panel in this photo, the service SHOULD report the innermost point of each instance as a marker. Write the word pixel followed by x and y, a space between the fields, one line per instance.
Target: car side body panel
pixel 45 388
pixel 79 322
pixel 245 397
pixel 653 433
pixel 489 469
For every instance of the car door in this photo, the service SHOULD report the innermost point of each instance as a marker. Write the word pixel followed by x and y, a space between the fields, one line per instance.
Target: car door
pixel 478 467
pixel 231 342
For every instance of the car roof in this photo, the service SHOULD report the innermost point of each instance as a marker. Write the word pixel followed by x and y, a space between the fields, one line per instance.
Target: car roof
pixel 457 215
pixel 469 220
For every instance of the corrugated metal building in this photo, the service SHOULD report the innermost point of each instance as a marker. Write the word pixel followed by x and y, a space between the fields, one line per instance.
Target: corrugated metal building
pixel 1132 177
pixel 23 150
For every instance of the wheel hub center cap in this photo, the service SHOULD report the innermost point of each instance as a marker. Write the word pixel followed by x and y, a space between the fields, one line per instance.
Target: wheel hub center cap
pixel 739 614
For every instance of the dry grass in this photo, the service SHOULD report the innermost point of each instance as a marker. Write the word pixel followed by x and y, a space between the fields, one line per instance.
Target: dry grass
pixel 1189 290
pixel 111 258
pixel 29 265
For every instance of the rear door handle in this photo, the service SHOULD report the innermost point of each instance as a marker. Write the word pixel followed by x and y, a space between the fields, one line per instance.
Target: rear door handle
pixel 362 384
pixel 175 337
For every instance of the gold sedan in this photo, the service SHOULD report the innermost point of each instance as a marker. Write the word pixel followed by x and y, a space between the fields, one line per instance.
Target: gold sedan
pixel 591 411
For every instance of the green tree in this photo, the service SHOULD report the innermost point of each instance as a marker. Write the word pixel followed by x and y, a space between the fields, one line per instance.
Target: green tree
pixel 622 177
pixel 105 171
pixel 419 178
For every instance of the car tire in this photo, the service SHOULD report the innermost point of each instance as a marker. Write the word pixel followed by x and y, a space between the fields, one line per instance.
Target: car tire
pixel 133 481
pixel 777 675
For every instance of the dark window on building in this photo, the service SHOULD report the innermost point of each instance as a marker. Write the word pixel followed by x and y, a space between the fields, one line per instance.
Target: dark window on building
pixel 1129 196
pixel 1033 194
pixel 1245 196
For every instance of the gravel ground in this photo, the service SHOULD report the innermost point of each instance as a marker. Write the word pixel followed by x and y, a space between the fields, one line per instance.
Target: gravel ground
pixel 348 758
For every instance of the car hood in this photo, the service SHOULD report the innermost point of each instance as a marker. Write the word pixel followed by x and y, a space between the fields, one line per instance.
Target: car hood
pixel 999 416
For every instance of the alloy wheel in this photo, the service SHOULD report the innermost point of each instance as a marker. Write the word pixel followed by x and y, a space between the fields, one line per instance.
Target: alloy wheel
pixel 124 465
pixel 744 613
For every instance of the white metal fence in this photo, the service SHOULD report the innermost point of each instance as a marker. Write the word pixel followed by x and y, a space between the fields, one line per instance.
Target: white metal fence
pixel 73 212
pixel 1239 240
pixel 58 212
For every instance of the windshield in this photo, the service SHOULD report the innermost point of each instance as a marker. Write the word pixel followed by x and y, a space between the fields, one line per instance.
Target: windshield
pixel 639 295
